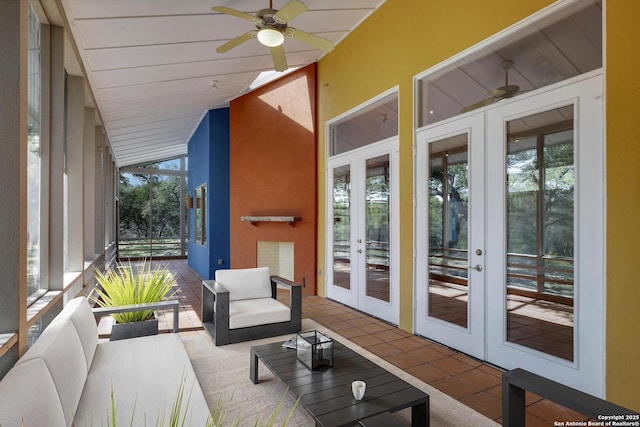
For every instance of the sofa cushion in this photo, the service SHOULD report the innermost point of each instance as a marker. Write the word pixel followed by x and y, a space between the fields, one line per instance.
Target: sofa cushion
pixel 59 347
pixel 29 394
pixel 259 311
pixel 144 374
pixel 78 311
pixel 245 283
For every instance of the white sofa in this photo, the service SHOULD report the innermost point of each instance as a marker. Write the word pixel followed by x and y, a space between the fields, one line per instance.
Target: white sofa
pixel 67 377
pixel 241 305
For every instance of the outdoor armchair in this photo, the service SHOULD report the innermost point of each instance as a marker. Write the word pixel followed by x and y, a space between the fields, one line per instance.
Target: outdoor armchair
pixel 241 305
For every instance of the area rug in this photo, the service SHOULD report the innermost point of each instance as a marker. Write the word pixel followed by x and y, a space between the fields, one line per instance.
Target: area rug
pixel 223 373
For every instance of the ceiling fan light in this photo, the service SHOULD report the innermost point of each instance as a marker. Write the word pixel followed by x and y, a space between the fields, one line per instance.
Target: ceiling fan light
pixel 270 37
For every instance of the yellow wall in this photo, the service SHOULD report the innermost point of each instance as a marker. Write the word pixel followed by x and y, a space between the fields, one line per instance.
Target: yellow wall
pixel 406 37
pixel 623 202
pixel 400 40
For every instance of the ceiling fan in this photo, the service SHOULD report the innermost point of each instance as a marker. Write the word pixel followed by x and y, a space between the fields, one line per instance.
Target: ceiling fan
pixel 498 94
pixel 271 28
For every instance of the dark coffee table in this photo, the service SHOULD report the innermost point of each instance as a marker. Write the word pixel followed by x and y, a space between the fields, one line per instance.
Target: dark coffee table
pixel 326 394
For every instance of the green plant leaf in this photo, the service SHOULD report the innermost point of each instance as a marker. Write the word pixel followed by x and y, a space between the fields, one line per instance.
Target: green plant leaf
pixel 217 413
pixel 126 284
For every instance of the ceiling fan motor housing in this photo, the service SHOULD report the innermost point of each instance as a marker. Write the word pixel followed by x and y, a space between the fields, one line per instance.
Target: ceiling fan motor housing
pixel 268 19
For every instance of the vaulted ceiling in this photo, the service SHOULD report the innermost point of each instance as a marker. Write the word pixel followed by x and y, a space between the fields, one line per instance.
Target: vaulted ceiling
pixel 152 64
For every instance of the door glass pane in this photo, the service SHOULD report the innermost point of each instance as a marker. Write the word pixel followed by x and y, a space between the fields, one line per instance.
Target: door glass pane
pixel 342 227
pixel 448 229
pixel 481 79
pixel 540 232
pixel 377 197
pixel 374 123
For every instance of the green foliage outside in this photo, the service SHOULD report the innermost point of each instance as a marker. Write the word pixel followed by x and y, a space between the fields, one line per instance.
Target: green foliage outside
pixel 457 190
pixel 540 219
pixel 541 193
pixel 341 215
pixel 447 244
pixel 149 222
pixel 377 203
pixel 149 206
pixel 539 214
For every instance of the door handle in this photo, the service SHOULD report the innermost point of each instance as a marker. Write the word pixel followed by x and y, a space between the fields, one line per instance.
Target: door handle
pixel 359 251
pixel 476 267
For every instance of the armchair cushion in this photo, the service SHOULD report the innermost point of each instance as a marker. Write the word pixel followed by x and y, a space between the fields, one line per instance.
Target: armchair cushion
pixel 245 283
pixel 254 312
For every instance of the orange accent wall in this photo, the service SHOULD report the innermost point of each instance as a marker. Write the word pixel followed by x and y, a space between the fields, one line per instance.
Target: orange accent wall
pixel 273 156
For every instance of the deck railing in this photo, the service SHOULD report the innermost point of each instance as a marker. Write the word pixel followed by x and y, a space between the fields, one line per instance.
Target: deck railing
pixel 547 278
pixel 146 248
pixel 542 277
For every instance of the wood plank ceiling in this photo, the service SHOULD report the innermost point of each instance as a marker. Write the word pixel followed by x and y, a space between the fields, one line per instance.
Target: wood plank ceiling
pixel 150 63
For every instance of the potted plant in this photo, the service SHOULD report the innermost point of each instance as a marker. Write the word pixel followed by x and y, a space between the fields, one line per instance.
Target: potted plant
pixel 128 284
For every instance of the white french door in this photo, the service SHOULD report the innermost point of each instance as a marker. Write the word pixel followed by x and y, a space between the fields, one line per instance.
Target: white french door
pixel 545 253
pixel 510 233
pixel 362 229
pixel 450 246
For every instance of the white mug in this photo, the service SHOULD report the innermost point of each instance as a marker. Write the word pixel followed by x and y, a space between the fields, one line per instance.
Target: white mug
pixel 358 388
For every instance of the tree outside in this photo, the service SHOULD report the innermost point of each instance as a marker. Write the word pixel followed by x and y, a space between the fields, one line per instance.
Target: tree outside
pixel 150 214
pixel 540 214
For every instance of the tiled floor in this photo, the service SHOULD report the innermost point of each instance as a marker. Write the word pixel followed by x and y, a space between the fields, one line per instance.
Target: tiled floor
pixel 474 383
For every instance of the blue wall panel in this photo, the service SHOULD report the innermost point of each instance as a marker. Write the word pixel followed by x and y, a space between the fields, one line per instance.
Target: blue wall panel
pixel 219 234
pixel 208 152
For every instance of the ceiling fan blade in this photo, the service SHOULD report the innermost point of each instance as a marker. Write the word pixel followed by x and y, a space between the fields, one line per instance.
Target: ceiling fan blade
pixel 290 11
pixel 309 38
pixel 236 41
pixel 279 59
pixel 505 91
pixel 479 104
pixel 497 94
pixel 236 13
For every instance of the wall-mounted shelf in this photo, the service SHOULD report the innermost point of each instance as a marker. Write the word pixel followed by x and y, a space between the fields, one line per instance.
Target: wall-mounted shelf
pixel 254 220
